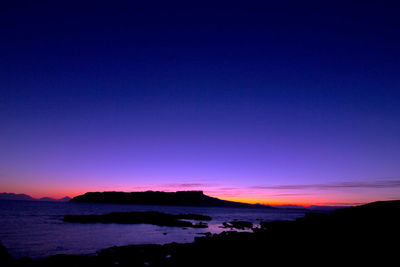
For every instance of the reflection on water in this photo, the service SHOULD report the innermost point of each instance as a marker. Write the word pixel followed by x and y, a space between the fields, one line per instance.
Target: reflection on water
pixel 36 229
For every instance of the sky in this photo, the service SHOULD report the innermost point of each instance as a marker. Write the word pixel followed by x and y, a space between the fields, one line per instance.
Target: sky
pixel 273 102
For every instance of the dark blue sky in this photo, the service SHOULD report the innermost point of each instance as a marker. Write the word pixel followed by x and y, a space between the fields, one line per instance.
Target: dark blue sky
pixel 241 99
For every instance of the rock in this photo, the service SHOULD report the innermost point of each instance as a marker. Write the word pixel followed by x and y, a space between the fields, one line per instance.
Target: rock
pixel 148 217
pixel 5 257
pixel 240 225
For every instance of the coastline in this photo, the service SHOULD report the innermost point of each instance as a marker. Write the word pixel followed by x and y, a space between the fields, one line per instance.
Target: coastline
pixel 357 234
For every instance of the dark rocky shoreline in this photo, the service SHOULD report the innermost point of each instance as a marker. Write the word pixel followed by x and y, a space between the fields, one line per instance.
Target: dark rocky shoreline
pixel 147 217
pixel 366 234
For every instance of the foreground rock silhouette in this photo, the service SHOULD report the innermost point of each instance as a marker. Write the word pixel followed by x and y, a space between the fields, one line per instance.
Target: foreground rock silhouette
pixel 5 257
pixel 356 236
pixel 148 217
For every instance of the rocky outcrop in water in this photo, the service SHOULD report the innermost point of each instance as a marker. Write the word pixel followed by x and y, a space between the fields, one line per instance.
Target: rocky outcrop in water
pixel 148 217
pixel 240 225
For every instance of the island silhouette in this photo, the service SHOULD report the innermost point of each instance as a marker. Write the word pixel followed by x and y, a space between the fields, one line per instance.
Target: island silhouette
pixel 179 198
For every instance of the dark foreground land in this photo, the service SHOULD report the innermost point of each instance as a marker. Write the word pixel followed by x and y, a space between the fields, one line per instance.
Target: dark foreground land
pixel 148 217
pixel 367 234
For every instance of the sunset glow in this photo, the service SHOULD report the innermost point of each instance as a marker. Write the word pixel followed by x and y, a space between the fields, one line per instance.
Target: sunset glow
pixel 243 104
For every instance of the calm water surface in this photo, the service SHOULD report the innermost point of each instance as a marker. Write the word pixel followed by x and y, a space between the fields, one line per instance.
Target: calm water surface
pixel 35 229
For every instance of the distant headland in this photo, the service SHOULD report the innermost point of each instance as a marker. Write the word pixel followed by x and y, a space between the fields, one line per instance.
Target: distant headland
pixel 179 198
pixel 13 196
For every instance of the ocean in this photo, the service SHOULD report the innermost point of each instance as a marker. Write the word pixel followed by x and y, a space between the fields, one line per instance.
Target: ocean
pixel 35 229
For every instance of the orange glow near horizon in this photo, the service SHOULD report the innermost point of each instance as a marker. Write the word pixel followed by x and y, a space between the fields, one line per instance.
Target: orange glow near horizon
pixel 61 193
pixel 48 188
pixel 282 202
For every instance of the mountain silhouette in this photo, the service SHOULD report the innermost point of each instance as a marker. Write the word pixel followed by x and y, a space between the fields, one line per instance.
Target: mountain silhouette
pixel 13 196
pixel 179 198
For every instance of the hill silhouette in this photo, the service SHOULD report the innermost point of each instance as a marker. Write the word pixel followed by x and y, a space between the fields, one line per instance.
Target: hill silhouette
pixel 13 196
pixel 179 198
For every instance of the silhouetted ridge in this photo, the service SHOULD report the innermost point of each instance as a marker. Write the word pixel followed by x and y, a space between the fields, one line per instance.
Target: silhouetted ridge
pixel 13 196
pixel 179 198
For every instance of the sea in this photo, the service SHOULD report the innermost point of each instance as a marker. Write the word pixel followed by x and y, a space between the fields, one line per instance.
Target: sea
pixel 35 228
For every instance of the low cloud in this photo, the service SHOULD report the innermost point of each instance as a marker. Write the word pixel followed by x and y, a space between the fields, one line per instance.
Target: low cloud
pixel 377 184
pixel 187 185
pixel 228 188
pixel 288 195
pixel 192 185
pixel 341 203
